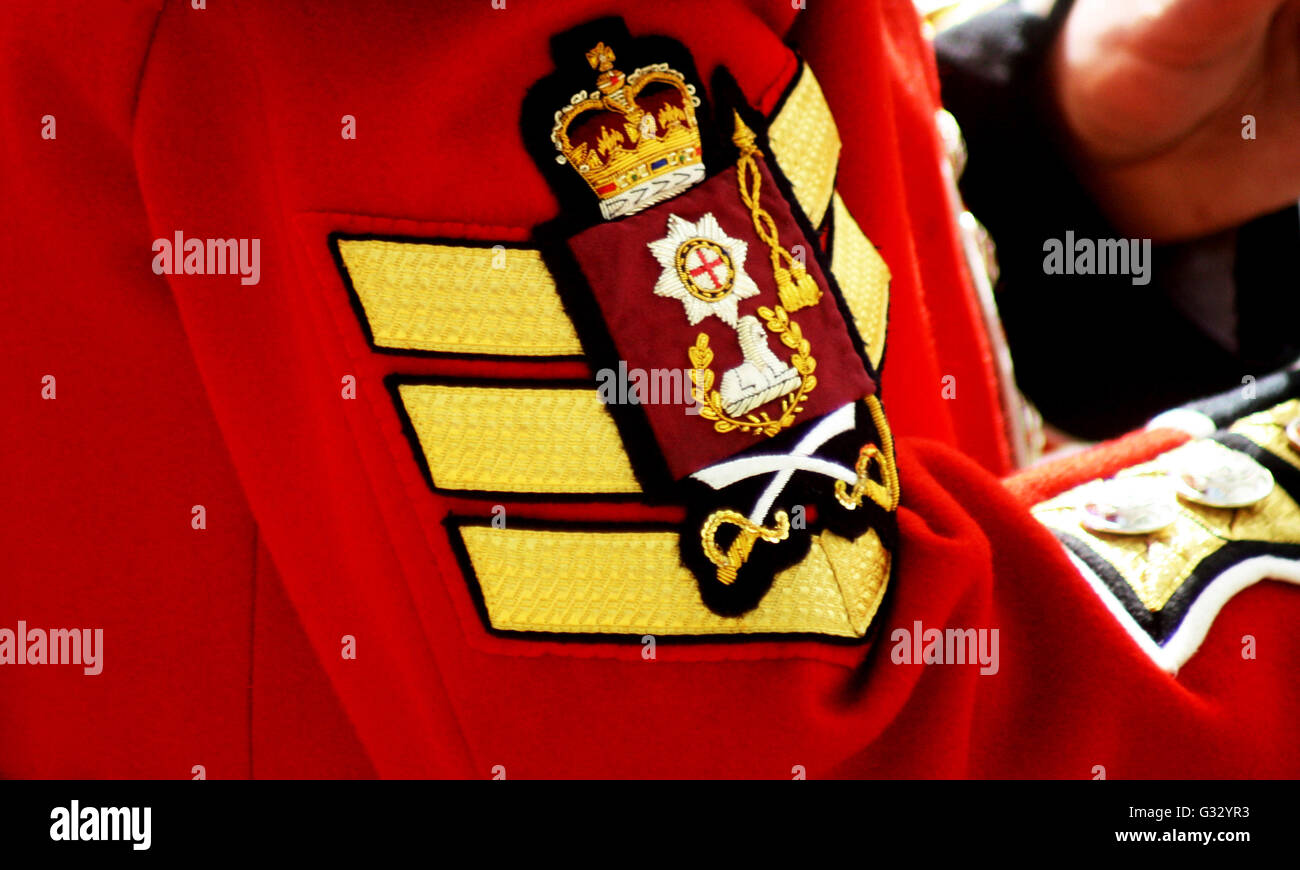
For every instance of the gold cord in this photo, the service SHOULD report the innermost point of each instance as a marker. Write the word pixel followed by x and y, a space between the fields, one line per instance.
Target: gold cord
pixel 885 492
pixel 730 562
pixel 795 287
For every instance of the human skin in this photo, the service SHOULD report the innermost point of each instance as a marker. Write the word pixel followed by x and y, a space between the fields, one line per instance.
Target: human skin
pixel 1155 95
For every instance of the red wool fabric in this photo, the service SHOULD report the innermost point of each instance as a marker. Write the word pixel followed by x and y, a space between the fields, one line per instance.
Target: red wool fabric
pixel 1050 479
pixel 182 390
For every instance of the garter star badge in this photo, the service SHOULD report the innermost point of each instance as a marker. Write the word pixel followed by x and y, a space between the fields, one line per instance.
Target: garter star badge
pixel 697 259
pixel 704 268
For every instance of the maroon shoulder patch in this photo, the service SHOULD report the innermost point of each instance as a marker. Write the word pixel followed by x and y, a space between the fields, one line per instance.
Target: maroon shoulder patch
pixel 692 279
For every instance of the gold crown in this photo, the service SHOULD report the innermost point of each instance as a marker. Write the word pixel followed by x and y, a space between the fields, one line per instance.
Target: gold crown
pixel 635 140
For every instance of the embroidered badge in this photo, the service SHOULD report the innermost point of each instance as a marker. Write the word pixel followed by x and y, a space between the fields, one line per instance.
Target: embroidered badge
pixel 716 271
pixel 692 285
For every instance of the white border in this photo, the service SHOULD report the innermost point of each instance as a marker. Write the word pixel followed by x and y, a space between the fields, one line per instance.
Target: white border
pixel 1184 642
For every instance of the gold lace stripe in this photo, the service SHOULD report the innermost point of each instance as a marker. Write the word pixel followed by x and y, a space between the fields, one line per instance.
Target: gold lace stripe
pixel 458 298
pixel 518 439
pixel 806 144
pixel 863 277
pixel 1156 565
pixel 1268 430
pixel 633 582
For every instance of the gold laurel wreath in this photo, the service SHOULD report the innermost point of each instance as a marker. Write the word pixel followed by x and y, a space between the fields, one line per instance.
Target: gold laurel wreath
pixel 710 400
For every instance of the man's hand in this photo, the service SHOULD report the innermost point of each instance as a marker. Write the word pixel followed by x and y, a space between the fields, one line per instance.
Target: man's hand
pixel 1154 93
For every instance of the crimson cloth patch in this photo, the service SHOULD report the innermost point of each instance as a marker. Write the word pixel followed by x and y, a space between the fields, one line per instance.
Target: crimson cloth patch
pixel 691 280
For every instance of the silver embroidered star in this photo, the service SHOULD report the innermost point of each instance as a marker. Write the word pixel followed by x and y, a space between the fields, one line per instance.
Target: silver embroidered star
pixel 696 271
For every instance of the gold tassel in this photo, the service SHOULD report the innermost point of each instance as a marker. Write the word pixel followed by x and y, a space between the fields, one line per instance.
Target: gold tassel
pixel 809 292
pixel 786 288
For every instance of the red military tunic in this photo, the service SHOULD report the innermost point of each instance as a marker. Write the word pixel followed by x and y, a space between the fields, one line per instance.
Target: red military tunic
pixel 323 621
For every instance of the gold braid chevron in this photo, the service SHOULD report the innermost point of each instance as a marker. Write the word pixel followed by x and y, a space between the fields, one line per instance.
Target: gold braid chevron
pixel 710 400
pixel 617 581
pixel 730 562
pixel 884 492
pixel 796 288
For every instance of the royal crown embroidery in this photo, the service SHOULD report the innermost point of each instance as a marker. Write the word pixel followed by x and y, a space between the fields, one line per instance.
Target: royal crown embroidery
pixel 635 141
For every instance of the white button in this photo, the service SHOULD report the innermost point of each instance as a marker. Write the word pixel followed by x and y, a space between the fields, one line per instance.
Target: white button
pixel 1224 480
pixel 1129 506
